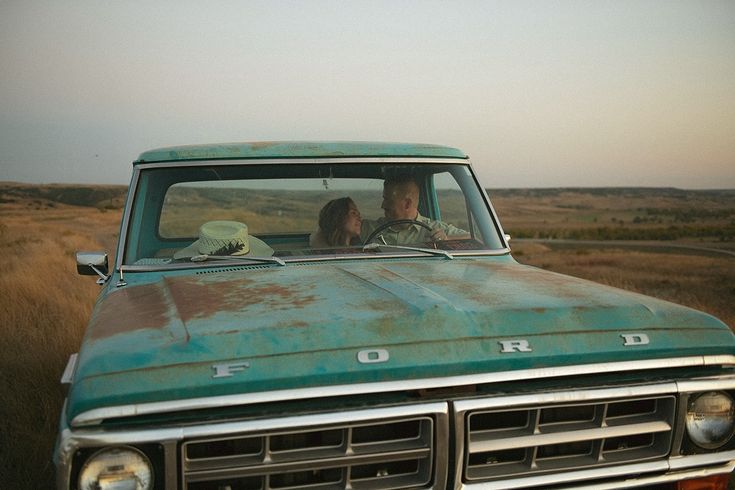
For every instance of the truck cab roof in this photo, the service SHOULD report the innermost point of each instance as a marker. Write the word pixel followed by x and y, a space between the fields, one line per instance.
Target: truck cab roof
pixel 297 149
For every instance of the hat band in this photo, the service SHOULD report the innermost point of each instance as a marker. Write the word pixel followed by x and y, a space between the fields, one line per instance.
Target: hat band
pixel 222 247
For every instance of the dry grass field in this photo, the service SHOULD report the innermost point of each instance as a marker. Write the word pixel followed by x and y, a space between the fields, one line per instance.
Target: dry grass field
pixel 45 305
pixel 618 213
pixel 43 310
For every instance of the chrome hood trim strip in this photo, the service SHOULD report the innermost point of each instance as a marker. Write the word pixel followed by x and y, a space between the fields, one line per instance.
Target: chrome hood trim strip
pixel 215 429
pixel 96 416
pixel 575 396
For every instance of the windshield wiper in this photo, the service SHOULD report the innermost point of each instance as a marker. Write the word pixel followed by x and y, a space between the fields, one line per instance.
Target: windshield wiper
pixel 204 258
pixel 432 251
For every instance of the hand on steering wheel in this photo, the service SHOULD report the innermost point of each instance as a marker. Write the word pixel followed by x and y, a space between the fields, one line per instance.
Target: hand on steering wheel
pixel 388 224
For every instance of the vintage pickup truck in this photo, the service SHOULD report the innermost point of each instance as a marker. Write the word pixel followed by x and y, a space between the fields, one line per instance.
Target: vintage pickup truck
pixel 247 339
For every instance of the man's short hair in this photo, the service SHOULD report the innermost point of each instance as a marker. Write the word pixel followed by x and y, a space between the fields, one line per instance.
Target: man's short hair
pixel 405 182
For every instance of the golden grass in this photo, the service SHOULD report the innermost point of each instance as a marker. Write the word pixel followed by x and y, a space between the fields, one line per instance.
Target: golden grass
pixel 625 213
pixel 44 308
pixel 584 207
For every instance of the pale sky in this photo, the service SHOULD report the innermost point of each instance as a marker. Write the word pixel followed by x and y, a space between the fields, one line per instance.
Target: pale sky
pixel 538 93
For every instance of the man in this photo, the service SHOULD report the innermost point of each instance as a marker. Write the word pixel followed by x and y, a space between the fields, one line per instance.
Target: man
pixel 401 201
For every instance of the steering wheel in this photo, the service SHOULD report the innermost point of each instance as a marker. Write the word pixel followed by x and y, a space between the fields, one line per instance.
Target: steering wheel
pixel 388 224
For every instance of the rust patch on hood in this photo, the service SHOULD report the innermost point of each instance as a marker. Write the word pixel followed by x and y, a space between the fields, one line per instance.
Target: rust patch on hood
pixel 128 309
pixel 544 282
pixel 198 298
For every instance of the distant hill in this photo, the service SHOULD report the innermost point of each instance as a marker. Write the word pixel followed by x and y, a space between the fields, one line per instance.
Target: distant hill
pixel 88 195
pixel 594 213
pixel 640 192
pixel 113 196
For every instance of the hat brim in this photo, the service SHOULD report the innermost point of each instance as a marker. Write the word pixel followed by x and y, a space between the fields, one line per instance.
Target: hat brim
pixel 258 248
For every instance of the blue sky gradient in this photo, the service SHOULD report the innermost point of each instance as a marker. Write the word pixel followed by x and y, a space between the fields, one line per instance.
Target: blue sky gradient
pixel 539 94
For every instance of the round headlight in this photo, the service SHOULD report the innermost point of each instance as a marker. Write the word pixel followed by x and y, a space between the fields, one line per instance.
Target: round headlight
pixel 117 467
pixel 711 419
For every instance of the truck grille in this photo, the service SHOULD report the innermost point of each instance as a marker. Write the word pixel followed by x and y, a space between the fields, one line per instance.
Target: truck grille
pixel 506 442
pixel 375 454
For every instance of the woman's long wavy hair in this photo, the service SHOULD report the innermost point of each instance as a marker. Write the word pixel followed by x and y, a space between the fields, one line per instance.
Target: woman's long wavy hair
pixel 332 218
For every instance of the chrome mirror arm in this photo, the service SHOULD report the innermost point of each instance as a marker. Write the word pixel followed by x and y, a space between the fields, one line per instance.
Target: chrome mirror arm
pixel 103 278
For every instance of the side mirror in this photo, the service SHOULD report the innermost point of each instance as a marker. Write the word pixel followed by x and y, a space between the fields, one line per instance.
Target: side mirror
pixel 507 237
pixel 92 264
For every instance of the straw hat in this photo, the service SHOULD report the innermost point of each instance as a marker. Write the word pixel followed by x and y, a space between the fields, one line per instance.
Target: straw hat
pixel 225 238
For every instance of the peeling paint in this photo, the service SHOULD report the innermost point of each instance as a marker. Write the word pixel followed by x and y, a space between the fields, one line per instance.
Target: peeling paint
pixel 199 298
pixel 130 309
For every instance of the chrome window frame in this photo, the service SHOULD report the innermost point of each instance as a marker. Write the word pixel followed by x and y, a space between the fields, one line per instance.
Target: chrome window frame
pixel 137 168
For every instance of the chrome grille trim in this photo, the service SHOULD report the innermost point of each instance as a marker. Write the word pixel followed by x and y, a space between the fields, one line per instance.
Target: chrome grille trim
pixel 554 435
pixel 566 437
pixel 615 476
pixel 386 448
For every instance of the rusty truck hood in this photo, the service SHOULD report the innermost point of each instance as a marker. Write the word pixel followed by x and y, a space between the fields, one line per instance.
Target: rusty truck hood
pixel 303 325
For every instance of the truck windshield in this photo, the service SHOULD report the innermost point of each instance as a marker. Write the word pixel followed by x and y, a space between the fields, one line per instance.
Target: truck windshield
pixel 297 210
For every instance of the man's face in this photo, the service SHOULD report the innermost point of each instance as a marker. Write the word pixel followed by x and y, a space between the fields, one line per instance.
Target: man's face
pixel 395 204
pixel 391 204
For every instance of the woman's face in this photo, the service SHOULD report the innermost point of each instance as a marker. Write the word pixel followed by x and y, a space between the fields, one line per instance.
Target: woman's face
pixel 353 222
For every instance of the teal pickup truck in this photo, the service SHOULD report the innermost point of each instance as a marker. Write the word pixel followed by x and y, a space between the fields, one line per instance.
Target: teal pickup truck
pixel 348 315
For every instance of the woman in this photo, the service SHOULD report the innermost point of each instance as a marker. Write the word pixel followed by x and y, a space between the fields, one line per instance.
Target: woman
pixel 339 224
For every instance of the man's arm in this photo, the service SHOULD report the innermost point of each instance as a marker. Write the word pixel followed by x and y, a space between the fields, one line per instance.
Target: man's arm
pixel 444 231
pixel 367 227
